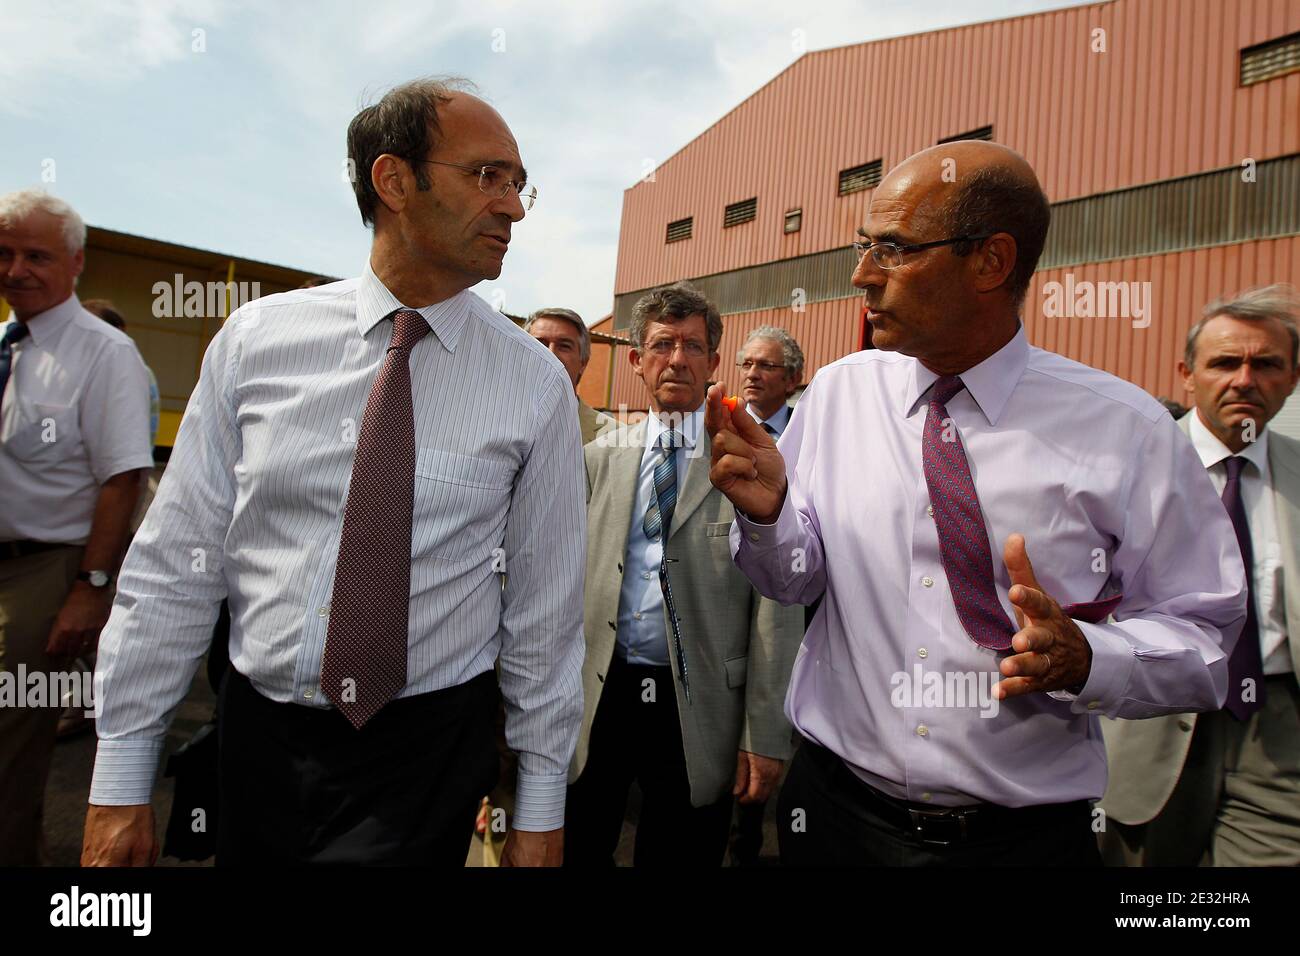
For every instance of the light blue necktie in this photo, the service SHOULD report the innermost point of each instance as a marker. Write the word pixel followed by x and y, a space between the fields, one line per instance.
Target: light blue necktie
pixel 659 515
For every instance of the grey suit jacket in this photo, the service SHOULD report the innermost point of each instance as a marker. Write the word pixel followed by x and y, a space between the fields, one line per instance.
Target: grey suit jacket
pixel 739 646
pixel 1146 757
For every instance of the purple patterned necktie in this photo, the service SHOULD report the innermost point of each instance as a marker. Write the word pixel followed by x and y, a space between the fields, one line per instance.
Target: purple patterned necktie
pixel 963 538
pixel 1245 660
pixel 364 664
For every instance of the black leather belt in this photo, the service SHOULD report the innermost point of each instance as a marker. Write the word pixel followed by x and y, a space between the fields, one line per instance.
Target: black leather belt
pixel 944 826
pixel 23 549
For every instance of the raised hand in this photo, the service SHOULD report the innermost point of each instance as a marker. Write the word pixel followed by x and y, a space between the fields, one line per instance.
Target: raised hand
pixel 1052 653
pixel 747 467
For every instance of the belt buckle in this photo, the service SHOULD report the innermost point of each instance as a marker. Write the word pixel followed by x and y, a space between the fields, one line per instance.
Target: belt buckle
pixel 922 819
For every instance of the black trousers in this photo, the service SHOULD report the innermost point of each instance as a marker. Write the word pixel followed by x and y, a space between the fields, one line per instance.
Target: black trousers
pixel 826 817
pixel 634 739
pixel 303 786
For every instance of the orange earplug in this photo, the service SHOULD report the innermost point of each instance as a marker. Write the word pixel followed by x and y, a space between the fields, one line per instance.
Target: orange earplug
pixel 731 401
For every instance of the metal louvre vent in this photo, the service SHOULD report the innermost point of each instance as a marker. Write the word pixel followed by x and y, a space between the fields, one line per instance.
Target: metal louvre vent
pixel 860 177
pixel 681 229
pixel 984 132
pixel 1265 61
pixel 738 212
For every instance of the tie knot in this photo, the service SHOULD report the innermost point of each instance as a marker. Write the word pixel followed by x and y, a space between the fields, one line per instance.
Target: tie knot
pixel 408 328
pixel 1233 466
pixel 945 387
pixel 15 331
pixel 668 439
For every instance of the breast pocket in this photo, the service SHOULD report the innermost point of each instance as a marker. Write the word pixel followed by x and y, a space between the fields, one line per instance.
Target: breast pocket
pixel 461 504
pixel 50 435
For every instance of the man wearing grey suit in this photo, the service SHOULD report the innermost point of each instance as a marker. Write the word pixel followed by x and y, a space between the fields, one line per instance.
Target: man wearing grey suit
pixel 1223 788
pixel 686 665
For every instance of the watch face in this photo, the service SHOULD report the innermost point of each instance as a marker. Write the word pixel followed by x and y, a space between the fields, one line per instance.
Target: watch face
pixel 98 578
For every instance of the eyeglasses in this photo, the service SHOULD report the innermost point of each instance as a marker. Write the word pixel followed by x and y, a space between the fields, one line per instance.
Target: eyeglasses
pixel 666 347
pixel 494 182
pixel 749 364
pixel 889 255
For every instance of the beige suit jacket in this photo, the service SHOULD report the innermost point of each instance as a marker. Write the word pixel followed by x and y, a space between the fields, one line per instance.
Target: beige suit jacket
pixel 1146 757
pixel 739 646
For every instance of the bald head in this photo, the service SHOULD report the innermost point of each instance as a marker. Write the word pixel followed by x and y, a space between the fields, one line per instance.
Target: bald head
pixel 976 188
pixel 955 232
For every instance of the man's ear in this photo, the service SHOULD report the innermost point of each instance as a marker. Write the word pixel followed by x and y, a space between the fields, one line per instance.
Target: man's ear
pixel 1186 374
pixel 994 262
pixel 391 177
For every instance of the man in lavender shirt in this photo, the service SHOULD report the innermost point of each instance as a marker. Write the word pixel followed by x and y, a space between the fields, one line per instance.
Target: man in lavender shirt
pixel 922 746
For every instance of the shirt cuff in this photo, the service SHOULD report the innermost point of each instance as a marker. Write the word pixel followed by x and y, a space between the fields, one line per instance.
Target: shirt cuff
pixel 763 536
pixel 125 772
pixel 539 801
pixel 104 470
pixel 1112 668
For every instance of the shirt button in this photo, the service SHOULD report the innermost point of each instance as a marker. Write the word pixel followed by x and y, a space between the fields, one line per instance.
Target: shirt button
pixel 922 652
pixel 929 510
pixel 927 796
pixel 1093 705
pixel 922 731
pixel 927 581
pixel 324 612
pixel 753 536
pixel 309 694
pixel 636 615
pixel 646 575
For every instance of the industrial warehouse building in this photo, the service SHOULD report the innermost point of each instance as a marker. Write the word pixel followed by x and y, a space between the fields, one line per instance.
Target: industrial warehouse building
pixel 1166 133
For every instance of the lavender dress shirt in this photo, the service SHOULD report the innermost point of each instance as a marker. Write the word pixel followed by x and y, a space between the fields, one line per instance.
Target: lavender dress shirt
pixel 1110 497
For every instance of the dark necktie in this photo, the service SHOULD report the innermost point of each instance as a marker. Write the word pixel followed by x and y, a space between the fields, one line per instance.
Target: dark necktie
pixel 364 663
pixel 1245 661
pixel 769 429
pixel 963 538
pixel 12 334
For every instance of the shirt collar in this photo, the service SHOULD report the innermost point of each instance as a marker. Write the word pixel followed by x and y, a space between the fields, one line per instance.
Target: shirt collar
pixel 691 425
pixel 44 328
pixel 990 383
pixel 1212 451
pixel 446 318
pixel 778 419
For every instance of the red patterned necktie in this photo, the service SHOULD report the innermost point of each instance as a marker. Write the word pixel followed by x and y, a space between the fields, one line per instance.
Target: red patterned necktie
pixel 364 665
pixel 963 538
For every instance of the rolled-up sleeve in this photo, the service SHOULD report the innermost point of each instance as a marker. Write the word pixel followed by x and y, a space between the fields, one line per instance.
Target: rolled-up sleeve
pixel 541 621
pixel 171 586
pixel 1184 591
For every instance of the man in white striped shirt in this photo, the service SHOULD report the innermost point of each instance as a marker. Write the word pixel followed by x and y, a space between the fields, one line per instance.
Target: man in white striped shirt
pixel 262 503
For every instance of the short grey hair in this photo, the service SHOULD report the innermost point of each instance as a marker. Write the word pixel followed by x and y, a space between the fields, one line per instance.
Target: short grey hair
pixel 567 315
pixel 673 304
pixel 1278 301
pixel 790 351
pixel 19 205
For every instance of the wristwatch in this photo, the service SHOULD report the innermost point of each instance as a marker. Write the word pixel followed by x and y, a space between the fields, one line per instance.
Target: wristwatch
pixel 96 579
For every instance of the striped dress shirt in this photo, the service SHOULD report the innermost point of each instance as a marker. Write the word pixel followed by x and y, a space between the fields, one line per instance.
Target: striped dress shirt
pixel 251 508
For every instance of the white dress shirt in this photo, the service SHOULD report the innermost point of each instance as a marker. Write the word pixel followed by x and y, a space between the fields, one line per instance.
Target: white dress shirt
pixel 74 414
pixel 251 507
pixel 1261 515
pixel 779 419
pixel 1104 487
pixel 642 633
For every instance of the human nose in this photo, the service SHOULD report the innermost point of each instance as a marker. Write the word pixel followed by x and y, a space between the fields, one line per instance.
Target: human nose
pixel 867 273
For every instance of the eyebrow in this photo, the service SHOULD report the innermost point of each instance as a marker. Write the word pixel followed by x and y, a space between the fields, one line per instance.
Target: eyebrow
pixel 889 235
pixel 506 163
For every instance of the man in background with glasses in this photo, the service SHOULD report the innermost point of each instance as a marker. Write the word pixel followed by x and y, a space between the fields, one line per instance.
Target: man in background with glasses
pixel 772 365
pixel 686 663
pixel 948 691
pixel 383 476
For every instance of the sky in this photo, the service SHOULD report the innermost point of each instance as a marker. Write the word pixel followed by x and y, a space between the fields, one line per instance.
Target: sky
pixel 220 124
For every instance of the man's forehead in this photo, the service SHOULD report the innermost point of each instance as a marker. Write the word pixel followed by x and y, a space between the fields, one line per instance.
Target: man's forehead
pixel 1227 335
pixel 550 325
pixel 478 133
pixel 763 345
pixel 693 323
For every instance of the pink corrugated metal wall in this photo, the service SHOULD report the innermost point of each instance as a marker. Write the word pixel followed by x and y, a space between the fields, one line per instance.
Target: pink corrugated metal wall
pixel 1162 101
pixel 1181 285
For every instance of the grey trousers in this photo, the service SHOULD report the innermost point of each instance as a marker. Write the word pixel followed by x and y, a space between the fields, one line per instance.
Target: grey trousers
pixel 1237 801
